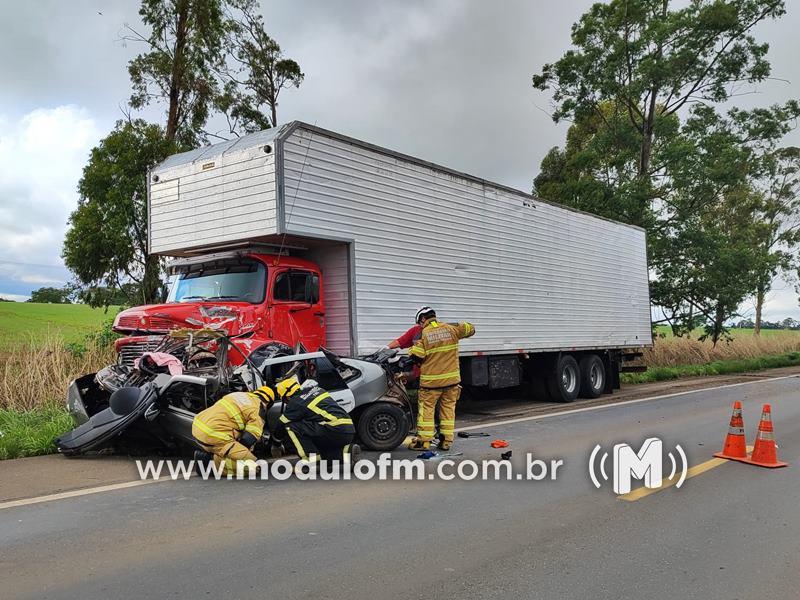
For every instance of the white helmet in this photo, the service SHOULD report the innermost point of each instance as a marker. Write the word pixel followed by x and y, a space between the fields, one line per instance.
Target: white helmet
pixel 424 311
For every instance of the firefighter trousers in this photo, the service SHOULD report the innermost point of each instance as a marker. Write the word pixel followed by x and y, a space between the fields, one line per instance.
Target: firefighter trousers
pixel 324 441
pixel 445 398
pixel 228 453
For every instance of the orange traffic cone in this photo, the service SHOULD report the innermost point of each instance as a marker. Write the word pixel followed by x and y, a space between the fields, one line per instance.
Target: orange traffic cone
pixel 735 446
pixel 765 452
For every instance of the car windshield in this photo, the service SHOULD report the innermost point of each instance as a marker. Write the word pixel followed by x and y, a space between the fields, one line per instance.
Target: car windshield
pixel 243 281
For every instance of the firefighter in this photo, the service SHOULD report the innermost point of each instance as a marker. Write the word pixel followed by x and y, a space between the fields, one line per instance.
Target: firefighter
pixel 316 424
pixel 440 377
pixel 228 430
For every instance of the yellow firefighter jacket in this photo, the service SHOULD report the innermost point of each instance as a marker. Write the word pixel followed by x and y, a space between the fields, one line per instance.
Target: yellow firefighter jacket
pixel 231 415
pixel 437 349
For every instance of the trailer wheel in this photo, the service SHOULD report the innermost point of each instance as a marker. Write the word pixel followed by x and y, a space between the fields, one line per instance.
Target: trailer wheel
pixel 564 382
pixel 382 426
pixel 593 376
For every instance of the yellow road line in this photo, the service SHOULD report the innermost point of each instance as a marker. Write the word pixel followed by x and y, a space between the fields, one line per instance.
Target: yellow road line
pixel 642 492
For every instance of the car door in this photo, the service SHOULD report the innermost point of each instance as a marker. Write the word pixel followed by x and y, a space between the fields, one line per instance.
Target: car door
pixel 105 425
pixel 297 309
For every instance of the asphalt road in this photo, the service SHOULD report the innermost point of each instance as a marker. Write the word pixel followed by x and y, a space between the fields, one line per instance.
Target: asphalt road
pixel 731 532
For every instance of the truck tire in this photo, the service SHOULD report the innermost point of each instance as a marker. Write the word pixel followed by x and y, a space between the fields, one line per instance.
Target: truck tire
pixel 564 382
pixel 593 376
pixel 382 426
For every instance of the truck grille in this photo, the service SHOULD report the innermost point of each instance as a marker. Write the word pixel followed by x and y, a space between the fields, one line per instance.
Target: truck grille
pixel 129 322
pixel 161 324
pixel 130 352
pixel 150 323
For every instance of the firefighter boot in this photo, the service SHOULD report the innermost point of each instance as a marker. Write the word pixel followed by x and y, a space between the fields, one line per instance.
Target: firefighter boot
pixel 419 445
pixel 445 445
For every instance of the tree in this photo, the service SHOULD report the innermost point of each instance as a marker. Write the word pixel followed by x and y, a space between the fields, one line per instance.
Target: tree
pixel 51 295
pixel 654 61
pixel 184 52
pixel 256 73
pixel 597 169
pixel 705 266
pixel 646 145
pixel 106 296
pixel 106 243
pixel 779 217
pixel 185 66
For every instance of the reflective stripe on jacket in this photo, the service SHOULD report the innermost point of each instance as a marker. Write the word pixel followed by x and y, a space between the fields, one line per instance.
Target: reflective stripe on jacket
pixel 229 417
pixel 437 349
pixel 317 406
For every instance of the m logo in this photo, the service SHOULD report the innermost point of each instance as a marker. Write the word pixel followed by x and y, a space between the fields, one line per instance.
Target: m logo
pixel 645 465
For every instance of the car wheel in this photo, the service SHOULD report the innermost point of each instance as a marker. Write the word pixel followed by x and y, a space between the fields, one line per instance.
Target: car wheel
pixel 382 426
pixel 564 382
pixel 593 376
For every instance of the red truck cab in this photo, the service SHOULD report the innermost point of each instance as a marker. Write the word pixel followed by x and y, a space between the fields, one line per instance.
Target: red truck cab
pixel 262 299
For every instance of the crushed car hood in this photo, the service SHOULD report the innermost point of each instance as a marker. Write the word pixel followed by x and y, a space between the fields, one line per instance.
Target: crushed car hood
pixel 232 317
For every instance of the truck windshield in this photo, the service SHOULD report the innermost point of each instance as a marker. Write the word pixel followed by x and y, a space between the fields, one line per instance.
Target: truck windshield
pixel 242 281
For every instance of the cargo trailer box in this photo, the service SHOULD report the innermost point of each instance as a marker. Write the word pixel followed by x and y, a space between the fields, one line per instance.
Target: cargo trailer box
pixel 392 232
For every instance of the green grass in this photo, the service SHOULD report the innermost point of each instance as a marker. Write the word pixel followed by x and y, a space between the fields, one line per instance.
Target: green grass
pixel 31 433
pixel 733 332
pixel 720 367
pixel 21 321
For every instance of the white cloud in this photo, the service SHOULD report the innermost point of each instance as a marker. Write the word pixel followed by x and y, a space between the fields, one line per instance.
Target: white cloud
pixel 42 156
pixel 15 297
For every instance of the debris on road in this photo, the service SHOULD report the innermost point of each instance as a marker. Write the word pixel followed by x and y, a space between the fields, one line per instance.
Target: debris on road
pixel 506 455
pixel 499 444
pixel 469 434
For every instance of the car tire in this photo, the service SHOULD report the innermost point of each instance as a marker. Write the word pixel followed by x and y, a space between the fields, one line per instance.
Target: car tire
pixel 382 426
pixel 593 376
pixel 564 381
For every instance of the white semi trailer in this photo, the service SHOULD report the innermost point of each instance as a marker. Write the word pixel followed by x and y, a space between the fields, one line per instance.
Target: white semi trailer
pixel 554 293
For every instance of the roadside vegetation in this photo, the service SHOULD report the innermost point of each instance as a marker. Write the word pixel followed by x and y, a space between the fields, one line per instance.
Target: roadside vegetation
pixel 677 357
pixel 39 355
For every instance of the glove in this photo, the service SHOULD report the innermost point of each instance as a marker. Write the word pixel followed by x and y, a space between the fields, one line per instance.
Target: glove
pixel 248 440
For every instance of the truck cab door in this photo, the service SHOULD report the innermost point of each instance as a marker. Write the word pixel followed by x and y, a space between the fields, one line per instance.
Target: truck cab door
pixel 298 313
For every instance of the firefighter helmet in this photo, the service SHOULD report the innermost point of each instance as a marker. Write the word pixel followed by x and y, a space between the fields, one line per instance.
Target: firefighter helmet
pixel 426 312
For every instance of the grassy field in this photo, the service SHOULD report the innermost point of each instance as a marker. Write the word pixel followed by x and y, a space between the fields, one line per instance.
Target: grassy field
pixel 42 348
pixel 735 333
pixel 21 322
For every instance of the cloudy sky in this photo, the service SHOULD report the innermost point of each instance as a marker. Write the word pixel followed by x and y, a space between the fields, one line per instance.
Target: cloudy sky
pixel 446 80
